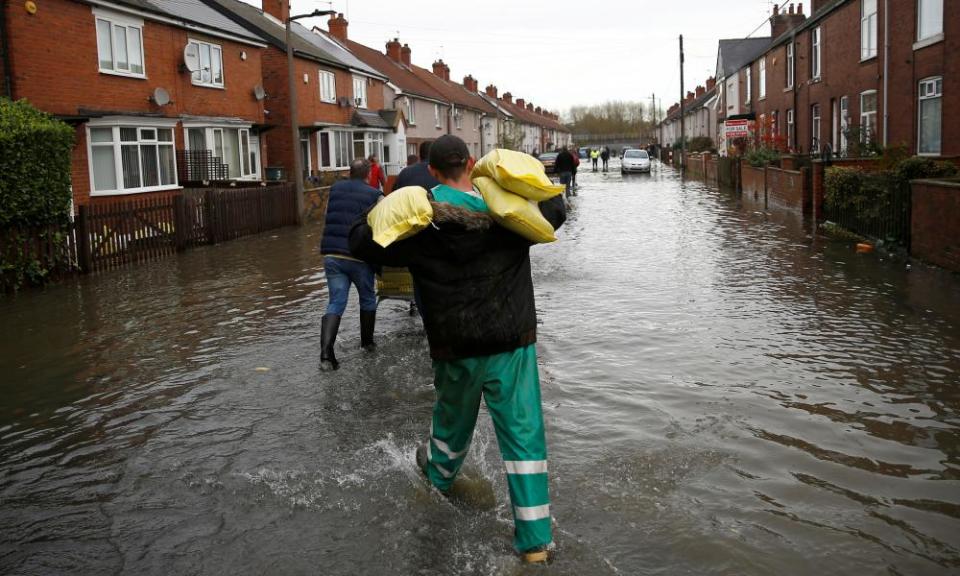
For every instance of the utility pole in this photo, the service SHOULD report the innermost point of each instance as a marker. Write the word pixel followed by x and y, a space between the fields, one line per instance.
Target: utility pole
pixel 683 131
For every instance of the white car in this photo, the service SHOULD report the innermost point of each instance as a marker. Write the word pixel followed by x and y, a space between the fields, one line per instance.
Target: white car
pixel 635 161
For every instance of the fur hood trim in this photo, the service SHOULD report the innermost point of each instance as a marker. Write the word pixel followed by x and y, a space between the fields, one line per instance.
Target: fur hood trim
pixel 469 219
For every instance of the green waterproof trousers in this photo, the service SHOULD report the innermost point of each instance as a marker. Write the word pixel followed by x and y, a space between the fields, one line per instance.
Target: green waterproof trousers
pixel 510 384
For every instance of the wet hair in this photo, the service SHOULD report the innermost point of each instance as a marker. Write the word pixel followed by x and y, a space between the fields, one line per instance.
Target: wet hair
pixel 359 169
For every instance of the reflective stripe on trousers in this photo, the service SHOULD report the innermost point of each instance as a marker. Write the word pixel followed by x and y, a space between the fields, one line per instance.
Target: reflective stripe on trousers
pixel 510 385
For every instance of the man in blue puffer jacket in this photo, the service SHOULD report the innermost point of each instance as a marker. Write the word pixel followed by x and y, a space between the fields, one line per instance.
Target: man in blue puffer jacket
pixel 348 200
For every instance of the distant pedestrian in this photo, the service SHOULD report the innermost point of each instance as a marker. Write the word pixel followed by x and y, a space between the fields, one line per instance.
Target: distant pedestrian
pixel 418 174
pixel 377 179
pixel 564 168
pixel 348 200
pixel 594 157
pixel 573 175
pixel 412 159
pixel 605 156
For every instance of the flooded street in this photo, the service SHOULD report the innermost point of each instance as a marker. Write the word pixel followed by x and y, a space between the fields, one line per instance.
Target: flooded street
pixel 724 393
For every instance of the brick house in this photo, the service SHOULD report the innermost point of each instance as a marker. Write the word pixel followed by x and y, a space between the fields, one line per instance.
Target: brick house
pixel 700 116
pixel 123 78
pixel 734 81
pixel 339 98
pixel 828 78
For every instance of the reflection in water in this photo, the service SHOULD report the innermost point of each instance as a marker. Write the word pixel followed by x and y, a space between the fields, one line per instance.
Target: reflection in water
pixel 724 392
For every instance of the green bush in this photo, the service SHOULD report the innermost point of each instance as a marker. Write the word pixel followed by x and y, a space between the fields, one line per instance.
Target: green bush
pixel 919 167
pixel 760 157
pixel 34 192
pixel 700 144
pixel 841 187
pixel 34 166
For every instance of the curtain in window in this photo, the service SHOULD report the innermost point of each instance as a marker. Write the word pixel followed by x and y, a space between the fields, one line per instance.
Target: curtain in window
pixel 931 111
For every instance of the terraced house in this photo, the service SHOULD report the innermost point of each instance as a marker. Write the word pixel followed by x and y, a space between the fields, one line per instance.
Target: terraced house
pixel 159 92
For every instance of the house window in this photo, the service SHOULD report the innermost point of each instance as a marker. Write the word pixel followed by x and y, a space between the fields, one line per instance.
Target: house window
pixel 360 91
pixel 790 65
pixel 436 115
pixel 929 18
pixel 328 86
pixel 790 140
pixel 305 161
pixel 931 114
pixel 411 112
pixel 457 118
pixel 126 159
pixel 211 64
pixel 749 86
pixel 763 78
pixel 235 147
pixel 335 149
pixel 815 128
pixel 868 29
pixel 868 115
pixel 815 50
pixel 119 44
pixel 844 122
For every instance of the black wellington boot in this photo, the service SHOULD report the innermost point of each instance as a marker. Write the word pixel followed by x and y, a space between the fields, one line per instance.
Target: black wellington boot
pixel 329 326
pixel 367 322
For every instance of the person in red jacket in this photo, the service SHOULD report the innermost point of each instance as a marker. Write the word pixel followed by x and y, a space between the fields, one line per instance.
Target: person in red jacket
pixel 377 179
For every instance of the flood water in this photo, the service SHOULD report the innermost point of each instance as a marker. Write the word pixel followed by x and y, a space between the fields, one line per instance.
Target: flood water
pixel 724 393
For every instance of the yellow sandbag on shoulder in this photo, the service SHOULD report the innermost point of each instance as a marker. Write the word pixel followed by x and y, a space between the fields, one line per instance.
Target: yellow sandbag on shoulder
pixel 515 212
pixel 401 214
pixel 518 173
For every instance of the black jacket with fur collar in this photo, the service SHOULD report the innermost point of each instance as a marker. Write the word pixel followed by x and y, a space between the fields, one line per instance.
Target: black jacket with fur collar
pixel 473 276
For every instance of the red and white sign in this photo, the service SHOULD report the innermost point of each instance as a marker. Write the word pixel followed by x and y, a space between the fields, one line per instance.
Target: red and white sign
pixel 736 129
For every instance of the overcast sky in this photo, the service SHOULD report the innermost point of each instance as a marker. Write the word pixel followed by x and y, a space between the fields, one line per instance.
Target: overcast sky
pixel 558 53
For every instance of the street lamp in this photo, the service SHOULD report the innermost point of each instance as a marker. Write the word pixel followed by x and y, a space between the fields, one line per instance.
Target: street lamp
pixel 294 127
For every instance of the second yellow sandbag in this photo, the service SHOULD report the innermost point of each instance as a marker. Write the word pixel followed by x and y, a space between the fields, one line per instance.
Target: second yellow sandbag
pixel 517 172
pixel 515 212
pixel 400 215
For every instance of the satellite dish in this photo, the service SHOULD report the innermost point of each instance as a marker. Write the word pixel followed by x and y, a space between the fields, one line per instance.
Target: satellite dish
pixel 191 57
pixel 160 97
pixel 259 93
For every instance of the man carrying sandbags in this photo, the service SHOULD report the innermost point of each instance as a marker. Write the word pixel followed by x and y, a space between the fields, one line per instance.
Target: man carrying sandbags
pixel 479 314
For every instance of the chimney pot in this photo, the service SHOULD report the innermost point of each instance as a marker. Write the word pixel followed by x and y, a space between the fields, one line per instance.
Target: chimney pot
pixel 491 91
pixel 508 97
pixel 405 55
pixel 337 26
pixel 393 50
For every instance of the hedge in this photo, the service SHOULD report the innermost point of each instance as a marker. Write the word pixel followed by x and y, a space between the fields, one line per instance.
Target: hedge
pixel 34 166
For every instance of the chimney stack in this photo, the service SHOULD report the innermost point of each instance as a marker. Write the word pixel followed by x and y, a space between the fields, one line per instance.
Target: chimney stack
pixel 783 22
pixel 337 26
pixel 508 97
pixel 470 83
pixel 279 9
pixel 538 110
pixel 393 50
pixel 700 91
pixel 441 70
pixel 530 106
pixel 491 91
pixel 711 83
pixel 405 55
pixel 521 103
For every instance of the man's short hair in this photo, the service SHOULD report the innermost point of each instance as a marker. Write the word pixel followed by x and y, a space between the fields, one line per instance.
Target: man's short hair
pixel 424 151
pixel 359 169
pixel 412 159
pixel 449 156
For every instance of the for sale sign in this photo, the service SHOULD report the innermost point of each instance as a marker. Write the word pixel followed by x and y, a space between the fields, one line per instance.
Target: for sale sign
pixel 736 129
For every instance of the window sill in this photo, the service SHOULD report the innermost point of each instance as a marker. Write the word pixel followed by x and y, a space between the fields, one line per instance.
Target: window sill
pixel 935 39
pixel 334 101
pixel 868 59
pixel 816 80
pixel 929 154
pixel 130 191
pixel 788 89
pixel 201 85
pixel 123 74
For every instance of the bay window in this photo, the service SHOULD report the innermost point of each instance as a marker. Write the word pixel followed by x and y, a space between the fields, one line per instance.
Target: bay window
pixel 931 116
pixel 335 151
pixel 237 148
pixel 119 44
pixel 128 158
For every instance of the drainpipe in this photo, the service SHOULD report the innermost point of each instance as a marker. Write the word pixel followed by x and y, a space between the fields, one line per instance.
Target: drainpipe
pixel 886 69
pixel 5 46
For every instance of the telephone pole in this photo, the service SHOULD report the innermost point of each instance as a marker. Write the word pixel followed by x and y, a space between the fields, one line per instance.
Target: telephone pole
pixel 683 131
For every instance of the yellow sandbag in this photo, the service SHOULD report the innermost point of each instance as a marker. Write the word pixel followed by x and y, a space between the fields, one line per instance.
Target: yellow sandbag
pixel 514 212
pixel 517 172
pixel 399 215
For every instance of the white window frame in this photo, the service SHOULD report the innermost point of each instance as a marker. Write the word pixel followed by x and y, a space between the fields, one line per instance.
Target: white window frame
pixel 211 131
pixel 815 127
pixel 139 124
pixel 816 49
pixel 868 30
pixel 129 24
pixel 929 89
pixel 763 78
pixel 868 119
pixel 436 115
pixel 327 82
pixel 215 54
pixel 791 69
pixel 360 91
pixel 411 112
pixel 790 128
pixel 340 151
pixel 844 122
pixel 457 117
pixel 922 7
pixel 749 90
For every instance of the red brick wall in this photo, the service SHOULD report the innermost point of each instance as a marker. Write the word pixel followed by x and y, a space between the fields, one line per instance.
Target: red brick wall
pixel 788 189
pixel 935 223
pixel 753 180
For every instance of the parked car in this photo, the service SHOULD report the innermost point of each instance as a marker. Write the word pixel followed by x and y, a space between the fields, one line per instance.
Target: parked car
pixel 548 159
pixel 635 160
pixel 584 152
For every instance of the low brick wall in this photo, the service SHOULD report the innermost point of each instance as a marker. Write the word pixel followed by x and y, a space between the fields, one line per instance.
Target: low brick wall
pixel 935 222
pixel 710 171
pixel 788 189
pixel 754 180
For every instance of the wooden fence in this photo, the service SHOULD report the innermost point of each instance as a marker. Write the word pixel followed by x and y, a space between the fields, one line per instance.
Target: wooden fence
pixel 130 231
